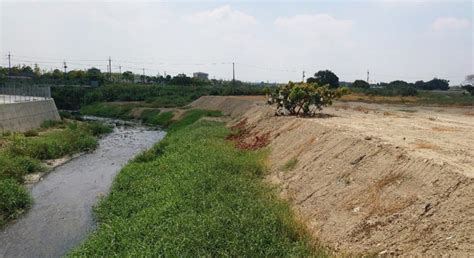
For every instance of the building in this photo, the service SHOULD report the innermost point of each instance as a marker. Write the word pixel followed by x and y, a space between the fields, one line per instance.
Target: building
pixel 200 75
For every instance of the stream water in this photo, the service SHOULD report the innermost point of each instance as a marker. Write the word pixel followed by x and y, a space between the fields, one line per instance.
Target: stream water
pixel 61 216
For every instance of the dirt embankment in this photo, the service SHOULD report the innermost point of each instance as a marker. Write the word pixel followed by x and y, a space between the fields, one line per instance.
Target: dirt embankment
pixel 370 178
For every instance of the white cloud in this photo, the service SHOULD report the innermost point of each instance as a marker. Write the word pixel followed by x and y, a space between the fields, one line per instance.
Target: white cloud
pixel 224 16
pixel 450 23
pixel 317 25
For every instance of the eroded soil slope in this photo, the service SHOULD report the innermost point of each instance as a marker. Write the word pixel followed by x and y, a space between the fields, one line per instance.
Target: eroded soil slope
pixel 371 178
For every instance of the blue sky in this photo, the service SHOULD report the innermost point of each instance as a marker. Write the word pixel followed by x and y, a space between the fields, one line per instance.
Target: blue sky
pixel 268 40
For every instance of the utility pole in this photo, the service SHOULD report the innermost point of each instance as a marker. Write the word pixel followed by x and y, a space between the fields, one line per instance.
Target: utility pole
pixel 233 73
pixel 368 76
pixel 110 69
pixel 143 75
pixel 120 73
pixel 303 76
pixel 9 63
pixel 65 69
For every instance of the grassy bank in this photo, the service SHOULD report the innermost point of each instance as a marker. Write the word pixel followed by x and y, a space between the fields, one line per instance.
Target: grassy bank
pixel 195 194
pixel 150 116
pixel 23 153
pixel 430 98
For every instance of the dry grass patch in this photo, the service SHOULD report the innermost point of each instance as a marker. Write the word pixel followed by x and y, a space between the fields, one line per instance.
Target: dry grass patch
pixel 420 144
pixel 445 129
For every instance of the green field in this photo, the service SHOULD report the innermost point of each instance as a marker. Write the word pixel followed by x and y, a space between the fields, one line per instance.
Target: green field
pixel 195 194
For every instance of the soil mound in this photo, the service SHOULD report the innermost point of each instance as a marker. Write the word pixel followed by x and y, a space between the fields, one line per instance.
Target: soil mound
pixel 360 192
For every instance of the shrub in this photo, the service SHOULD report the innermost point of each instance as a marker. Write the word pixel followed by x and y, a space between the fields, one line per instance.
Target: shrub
pixel 31 133
pixel 14 198
pixel 97 128
pixel 162 119
pixel 469 88
pixel 51 123
pixel 304 98
pixel 361 84
pixel 54 144
pixel 148 115
pixel 108 110
pixel 16 166
pixel 65 114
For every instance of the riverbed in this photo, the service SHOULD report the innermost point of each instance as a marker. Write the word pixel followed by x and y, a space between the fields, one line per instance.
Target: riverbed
pixel 62 213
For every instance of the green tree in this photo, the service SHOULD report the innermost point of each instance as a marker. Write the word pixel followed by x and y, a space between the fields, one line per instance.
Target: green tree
pixel 436 84
pixel 325 77
pixel 94 75
pixel 57 74
pixel 361 84
pixel 304 98
pixel 128 76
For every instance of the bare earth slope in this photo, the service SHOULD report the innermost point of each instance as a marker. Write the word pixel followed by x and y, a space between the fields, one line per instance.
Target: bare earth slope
pixel 388 179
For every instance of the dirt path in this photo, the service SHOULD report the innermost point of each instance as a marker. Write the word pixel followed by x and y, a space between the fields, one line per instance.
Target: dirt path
pixel 442 135
pixel 372 178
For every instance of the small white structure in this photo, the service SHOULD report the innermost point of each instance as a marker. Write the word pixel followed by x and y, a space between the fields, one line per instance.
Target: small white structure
pixel 201 75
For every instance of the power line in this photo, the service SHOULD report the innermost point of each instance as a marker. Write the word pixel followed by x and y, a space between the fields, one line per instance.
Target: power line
pixel 100 64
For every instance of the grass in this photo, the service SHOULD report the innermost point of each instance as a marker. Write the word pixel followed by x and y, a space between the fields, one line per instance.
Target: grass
pixel 192 116
pixel 14 200
pixel 290 164
pixel 22 153
pixel 422 98
pixel 194 194
pixel 448 98
pixel 108 110
pixel 154 117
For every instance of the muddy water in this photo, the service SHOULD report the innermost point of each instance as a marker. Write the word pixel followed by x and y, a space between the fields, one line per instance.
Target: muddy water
pixel 62 214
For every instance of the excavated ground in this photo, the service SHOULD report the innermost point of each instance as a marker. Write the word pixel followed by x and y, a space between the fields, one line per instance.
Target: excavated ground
pixel 370 178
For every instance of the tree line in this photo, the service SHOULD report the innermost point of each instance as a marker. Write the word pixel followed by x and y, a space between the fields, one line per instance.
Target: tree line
pixel 95 77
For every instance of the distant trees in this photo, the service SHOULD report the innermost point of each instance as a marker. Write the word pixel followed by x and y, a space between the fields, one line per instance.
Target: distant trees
pixel 181 79
pixel 435 84
pixel 323 78
pixel 361 84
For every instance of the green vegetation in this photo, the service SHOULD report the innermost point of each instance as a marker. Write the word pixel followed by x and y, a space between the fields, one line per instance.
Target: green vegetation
pixel 74 97
pixel 290 164
pixel 108 110
pixel 325 77
pixel 195 194
pixel 361 84
pixel 154 117
pixel 304 98
pixel 192 116
pixel 446 98
pixel 52 123
pixel 14 198
pixel 392 89
pixel 21 154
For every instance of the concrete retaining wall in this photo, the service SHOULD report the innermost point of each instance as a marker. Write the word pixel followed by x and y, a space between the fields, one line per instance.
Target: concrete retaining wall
pixel 20 117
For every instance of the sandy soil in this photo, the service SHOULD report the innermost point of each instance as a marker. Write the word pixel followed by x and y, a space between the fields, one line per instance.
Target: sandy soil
pixel 372 178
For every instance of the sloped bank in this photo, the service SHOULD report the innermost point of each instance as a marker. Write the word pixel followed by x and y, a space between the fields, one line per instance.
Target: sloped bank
pixel 359 194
